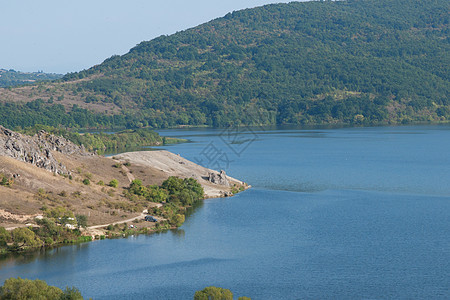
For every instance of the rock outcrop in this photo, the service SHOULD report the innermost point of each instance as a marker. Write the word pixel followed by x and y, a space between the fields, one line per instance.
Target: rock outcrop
pixel 219 178
pixel 37 150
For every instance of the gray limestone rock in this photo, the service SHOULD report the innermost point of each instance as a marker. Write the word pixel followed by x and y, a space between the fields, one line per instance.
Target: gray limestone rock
pixel 219 178
pixel 37 150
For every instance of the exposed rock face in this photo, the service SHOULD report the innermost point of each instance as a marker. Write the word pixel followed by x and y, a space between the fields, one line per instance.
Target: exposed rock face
pixel 37 150
pixel 219 178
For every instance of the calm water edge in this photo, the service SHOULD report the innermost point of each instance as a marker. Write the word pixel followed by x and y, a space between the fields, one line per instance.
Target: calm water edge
pixel 350 213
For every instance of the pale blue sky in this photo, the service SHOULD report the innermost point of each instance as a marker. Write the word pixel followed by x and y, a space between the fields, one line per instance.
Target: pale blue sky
pixel 60 36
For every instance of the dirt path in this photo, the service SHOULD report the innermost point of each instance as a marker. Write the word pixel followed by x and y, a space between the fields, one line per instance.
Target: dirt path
pixel 129 175
pixel 126 171
pixel 141 216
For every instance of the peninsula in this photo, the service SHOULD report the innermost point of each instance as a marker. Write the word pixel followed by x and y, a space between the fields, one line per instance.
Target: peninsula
pixel 47 176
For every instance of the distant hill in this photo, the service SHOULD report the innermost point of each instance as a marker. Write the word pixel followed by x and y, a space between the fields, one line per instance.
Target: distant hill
pixel 320 62
pixel 10 78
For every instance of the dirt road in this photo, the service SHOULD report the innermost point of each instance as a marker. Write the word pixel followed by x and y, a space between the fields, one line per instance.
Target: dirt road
pixel 141 216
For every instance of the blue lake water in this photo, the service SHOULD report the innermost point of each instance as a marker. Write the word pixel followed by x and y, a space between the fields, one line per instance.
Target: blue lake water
pixel 333 213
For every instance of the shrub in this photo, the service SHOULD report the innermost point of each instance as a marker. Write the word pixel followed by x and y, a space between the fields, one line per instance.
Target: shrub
pixel 4 181
pixel 113 183
pixel 86 182
pixel 76 194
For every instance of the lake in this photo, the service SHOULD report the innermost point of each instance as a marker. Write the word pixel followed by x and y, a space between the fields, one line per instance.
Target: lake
pixel 333 213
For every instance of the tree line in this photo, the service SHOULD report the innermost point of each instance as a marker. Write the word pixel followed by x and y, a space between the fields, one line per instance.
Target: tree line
pixel 316 62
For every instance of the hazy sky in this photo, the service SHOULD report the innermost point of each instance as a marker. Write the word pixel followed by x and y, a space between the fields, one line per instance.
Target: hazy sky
pixel 60 36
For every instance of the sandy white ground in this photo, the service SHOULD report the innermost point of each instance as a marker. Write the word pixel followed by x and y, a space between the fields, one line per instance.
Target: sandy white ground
pixel 175 165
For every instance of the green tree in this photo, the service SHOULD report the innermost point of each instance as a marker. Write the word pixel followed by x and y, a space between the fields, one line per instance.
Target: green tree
pixel 173 184
pixel 71 294
pixel 5 237
pixel 157 194
pixel 177 220
pixel 81 220
pixel 24 238
pixel 21 289
pixel 60 214
pixel 213 293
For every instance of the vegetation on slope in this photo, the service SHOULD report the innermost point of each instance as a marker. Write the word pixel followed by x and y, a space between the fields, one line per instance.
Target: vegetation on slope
pixel 355 61
pixel 177 194
pixel 100 141
pixel 59 225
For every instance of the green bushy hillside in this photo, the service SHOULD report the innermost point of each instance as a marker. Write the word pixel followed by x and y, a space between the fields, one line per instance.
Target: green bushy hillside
pixel 356 61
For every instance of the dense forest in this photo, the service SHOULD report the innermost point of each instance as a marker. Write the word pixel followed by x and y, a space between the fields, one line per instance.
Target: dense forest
pixel 318 62
pixel 9 78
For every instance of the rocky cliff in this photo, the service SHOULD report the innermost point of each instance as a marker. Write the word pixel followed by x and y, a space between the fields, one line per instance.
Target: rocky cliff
pixel 37 150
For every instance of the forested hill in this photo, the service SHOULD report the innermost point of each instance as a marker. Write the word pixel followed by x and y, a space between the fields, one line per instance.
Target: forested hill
pixel 356 61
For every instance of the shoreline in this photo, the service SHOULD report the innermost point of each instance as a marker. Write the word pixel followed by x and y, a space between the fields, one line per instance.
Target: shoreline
pixel 159 166
pixel 171 165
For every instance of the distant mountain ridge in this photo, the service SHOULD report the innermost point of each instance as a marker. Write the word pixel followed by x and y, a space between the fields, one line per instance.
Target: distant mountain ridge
pixel 10 78
pixel 319 62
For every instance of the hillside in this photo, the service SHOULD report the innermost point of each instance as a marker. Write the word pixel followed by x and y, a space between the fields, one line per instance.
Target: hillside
pixel 10 78
pixel 45 172
pixel 353 62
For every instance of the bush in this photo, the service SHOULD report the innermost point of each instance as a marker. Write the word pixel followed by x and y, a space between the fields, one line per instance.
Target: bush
pixel 4 181
pixel 86 182
pixel 113 183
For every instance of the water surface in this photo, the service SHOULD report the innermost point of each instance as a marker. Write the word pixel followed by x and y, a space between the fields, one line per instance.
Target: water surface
pixel 333 213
